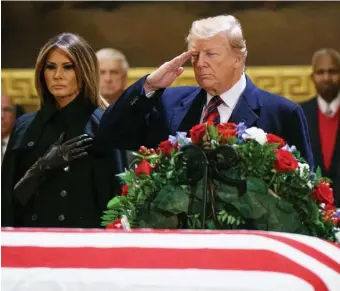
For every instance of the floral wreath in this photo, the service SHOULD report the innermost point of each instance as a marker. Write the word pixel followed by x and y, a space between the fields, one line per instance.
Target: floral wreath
pixel 254 180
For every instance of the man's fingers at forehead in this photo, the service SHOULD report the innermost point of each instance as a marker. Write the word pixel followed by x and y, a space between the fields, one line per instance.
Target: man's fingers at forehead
pixel 182 58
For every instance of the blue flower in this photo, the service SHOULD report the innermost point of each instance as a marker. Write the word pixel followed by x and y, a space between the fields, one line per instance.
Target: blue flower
pixel 181 136
pixel 172 139
pixel 337 213
pixel 312 176
pixel 289 149
pixel 241 129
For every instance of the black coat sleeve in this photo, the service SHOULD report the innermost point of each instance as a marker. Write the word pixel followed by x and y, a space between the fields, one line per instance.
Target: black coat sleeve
pixel 7 181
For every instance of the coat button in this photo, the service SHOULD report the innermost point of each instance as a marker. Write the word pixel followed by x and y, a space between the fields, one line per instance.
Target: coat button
pixel 63 193
pixel 34 217
pixel 61 217
pixel 31 143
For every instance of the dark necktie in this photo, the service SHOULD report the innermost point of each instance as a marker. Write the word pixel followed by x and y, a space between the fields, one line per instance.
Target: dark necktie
pixel 211 113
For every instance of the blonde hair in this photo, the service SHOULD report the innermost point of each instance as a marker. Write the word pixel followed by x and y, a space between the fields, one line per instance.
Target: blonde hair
pixel 86 67
pixel 113 54
pixel 226 25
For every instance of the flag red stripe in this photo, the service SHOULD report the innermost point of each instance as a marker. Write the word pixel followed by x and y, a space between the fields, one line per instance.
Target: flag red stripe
pixel 321 257
pixel 157 258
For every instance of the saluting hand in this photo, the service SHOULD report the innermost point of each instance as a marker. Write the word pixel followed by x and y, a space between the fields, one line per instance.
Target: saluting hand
pixel 167 73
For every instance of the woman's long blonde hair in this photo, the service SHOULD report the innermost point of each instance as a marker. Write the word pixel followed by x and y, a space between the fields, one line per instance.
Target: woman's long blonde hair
pixel 86 67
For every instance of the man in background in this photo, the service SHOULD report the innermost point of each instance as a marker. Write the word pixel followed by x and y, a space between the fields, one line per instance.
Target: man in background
pixel 323 115
pixel 113 68
pixel 113 73
pixel 8 117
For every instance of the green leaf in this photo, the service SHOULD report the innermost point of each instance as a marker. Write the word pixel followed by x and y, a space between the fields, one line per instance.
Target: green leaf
pixel 153 156
pixel 318 174
pixel 210 224
pixel 151 219
pixel 212 132
pixel 255 186
pixel 169 174
pixel 115 203
pixel 172 199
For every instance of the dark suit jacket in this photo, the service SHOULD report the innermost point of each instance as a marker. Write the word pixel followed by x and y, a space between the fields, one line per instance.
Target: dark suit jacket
pixel 137 120
pixel 311 111
pixel 27 129
pixel 19 110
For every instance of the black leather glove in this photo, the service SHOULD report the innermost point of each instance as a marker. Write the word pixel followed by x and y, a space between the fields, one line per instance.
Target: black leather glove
pixel 58 155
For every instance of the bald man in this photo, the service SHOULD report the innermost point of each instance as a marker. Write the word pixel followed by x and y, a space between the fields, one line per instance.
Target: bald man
pixel 113 69
pixel 8 117
pixel 323 115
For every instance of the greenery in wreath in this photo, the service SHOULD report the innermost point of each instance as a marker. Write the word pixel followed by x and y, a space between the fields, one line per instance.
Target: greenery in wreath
pixel 224 177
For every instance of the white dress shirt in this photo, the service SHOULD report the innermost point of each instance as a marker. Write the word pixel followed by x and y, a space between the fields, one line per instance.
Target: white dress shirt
pixel 329 108
pixel 229 98
pixel 4 143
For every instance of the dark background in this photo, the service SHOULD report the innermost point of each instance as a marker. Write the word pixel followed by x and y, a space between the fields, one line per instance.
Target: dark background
pixel 149 33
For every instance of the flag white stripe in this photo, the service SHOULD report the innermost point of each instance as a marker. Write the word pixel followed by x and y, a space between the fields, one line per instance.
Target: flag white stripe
pixel 38 279
pixel 178 241
pixel 318 244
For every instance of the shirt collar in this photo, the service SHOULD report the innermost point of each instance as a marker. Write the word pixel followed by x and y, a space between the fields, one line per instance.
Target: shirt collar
pixel 231 96
pixel 4 141
pixel 333 106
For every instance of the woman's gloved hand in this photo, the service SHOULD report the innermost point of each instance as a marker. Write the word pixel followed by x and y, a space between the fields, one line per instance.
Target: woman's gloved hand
pixel 60 154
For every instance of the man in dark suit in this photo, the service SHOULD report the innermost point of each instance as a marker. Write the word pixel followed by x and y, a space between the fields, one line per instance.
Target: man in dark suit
pixel 148 111
pixel 323 115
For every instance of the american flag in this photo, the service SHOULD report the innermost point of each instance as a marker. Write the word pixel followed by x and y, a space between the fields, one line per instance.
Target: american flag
pixel 140 260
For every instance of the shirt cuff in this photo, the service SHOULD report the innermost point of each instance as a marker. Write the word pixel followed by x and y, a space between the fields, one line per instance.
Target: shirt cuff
pixel 150 94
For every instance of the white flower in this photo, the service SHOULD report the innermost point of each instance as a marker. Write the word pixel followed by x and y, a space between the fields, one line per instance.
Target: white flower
pixel 302 169
pixel 255 133
pixel 310 185
pixel 337 236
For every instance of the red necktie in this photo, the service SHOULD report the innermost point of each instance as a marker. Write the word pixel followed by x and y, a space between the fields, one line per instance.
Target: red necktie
pixel 211 112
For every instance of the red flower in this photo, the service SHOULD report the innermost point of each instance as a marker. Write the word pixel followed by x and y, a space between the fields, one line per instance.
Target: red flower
pixel 116 224
pixel 197 133
pixel 272 138
pixel 285 161
pixel 142 150
pixel 144 168
pixel 166 147
pixel 125 190
pixel 322 193
pixel 330 207
pixel 226 130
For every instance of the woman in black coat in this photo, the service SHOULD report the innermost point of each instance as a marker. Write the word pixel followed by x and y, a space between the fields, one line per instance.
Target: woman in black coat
pixel 50 175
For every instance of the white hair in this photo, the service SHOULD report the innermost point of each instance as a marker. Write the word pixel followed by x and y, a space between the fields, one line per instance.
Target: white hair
pixel 113 54
pixel 326 51
pixel 226 25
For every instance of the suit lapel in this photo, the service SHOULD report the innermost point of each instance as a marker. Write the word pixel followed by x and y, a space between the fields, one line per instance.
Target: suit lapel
pixel 313 123
pixel 93 123
pixel 188 113
pixel 247 107
pixel 336 152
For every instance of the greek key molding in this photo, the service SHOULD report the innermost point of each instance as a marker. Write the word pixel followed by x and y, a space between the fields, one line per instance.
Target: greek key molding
pixel 292 82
